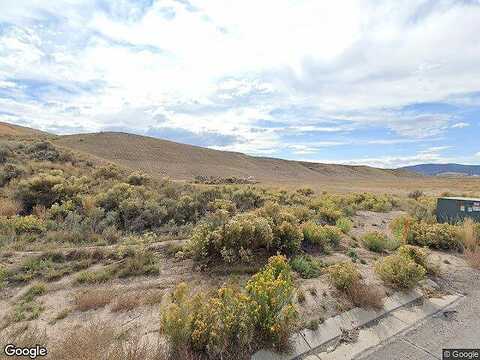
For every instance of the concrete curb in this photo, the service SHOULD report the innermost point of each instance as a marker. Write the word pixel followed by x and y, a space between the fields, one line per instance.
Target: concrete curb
pixel 397 322
pixel 307 340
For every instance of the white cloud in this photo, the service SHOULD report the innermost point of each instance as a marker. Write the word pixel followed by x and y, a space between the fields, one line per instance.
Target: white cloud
pixel 460 125
pixel 222 65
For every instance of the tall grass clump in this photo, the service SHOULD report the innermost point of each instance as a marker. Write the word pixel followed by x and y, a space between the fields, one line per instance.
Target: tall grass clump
pixel 344 224
pixel 469 234
pixel 375 241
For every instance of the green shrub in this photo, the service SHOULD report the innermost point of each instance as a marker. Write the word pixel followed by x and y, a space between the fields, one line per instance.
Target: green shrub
pixel 40 190
pixel 27 310
pixel 137 179
pixel 375 241
pixel 222 204
pixel 343 275
pixel 94 276
pixel 401 228
pixel 325 237
pixel 302 213
pixel 45 151
pixel 330 213
pixel 4 274
pixel 399 271
pixel 10 172
pixel 287 236
pixel 423 209
pixel 230 239
pixel 142 262
pixel 35 290
pixel 305 191
pixel 437 236
pixel 374 202
pixel 247 231
pixel 108 172
pixel 247 198
pixel 306 266
pixel 23 224
pixel 344 224
pixel 352 254
pixel 5 153
pixel 416 194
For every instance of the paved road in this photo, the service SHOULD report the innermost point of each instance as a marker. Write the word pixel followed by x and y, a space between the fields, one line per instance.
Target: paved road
pixel 457 330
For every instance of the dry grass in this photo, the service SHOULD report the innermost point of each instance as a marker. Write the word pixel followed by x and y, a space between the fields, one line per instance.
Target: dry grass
pixel 473 258
pixel 366 296
pixel 471 243
pixel 153 297
pixel 21 336
pixel 92 299
pixel 9 207
pixel 126 302
pixel 99 339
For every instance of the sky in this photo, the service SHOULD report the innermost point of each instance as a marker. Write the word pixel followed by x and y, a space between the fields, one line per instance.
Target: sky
pixel 386 83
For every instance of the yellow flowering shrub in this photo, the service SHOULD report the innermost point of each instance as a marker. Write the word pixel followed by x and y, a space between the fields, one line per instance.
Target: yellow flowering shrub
pixel 223 327
pixel 287 235
pixel 271 292
pixel 227 323
pixel 400 271
pixel 437 236
pixel 343 275
pixel 418 255
pixel 176 319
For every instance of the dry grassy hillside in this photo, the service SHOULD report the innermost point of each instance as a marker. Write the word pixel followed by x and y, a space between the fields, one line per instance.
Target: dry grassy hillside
pixel 162 158
pixel 184 162
pixel 180 161
pixel 16 130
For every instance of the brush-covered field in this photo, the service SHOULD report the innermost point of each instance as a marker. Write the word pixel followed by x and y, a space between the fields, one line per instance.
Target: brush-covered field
pixel 101 262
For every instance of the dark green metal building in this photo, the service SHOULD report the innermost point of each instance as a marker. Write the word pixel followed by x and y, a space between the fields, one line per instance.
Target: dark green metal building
pixel 454 209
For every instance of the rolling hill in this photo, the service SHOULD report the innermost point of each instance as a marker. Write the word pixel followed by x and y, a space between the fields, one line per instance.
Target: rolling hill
pixel 444 169
pixel 181 161
pixel 162 158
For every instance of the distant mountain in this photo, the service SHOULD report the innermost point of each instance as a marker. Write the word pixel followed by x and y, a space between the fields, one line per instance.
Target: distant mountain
pixel 444 169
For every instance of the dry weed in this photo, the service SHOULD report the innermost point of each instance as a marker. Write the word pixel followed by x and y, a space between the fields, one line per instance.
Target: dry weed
pixel 100 340
pixel 366 296
pixel 471 243
pixel 92 299
pixel 153 297
pixel 9 207
pixel 126 302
